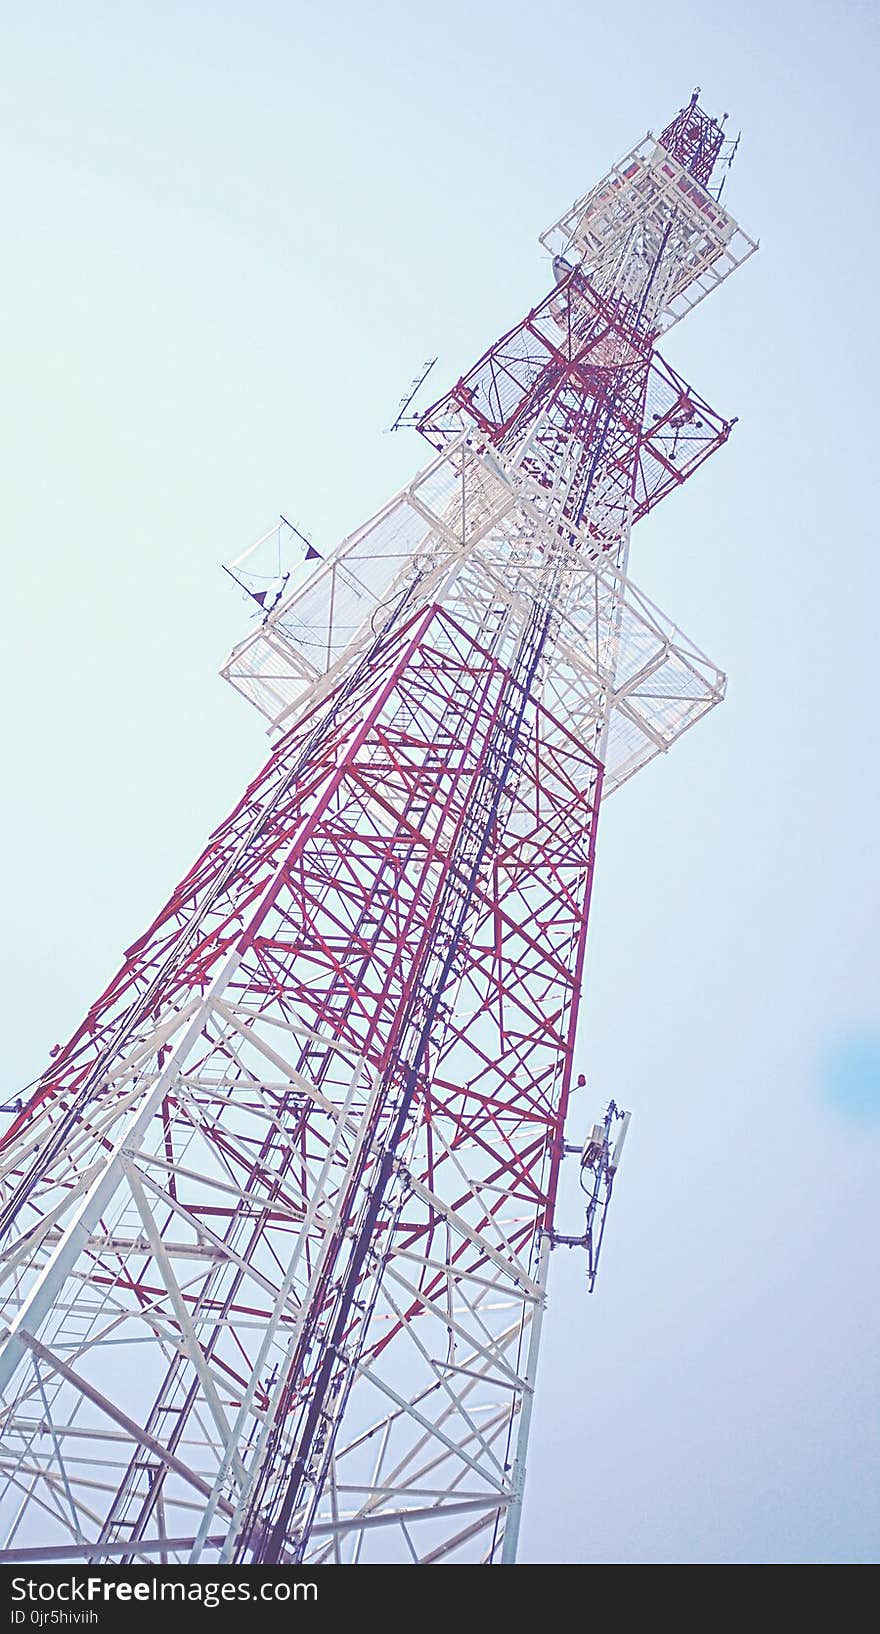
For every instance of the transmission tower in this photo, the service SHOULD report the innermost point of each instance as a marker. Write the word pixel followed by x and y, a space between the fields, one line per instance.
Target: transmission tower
pixel 277 1220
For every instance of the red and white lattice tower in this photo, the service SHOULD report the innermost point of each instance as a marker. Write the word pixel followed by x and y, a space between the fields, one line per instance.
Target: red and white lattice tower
pixel 276 1221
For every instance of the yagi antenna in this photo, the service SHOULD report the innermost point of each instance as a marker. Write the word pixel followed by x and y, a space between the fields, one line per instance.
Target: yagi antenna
pixel 415 387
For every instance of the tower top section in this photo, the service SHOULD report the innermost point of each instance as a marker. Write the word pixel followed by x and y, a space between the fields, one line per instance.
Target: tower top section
pixel 653 230
pixel 696 140
pixel 566 431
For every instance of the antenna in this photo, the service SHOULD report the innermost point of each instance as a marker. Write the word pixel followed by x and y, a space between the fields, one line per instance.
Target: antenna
pixel 415 386
pixel 600 1160
pixel 312 555
pixel 262 578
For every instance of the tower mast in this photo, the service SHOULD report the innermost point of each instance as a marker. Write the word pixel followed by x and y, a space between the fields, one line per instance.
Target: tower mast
pixel 277 1221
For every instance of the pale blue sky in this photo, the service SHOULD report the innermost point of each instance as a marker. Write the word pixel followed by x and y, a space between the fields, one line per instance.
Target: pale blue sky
pixel 232 233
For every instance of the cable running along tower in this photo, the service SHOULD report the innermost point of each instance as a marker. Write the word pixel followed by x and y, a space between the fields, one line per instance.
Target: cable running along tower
pixel 277 1220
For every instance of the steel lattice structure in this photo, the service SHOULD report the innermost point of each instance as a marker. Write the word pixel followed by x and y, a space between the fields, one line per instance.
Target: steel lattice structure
pixel 277 1220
